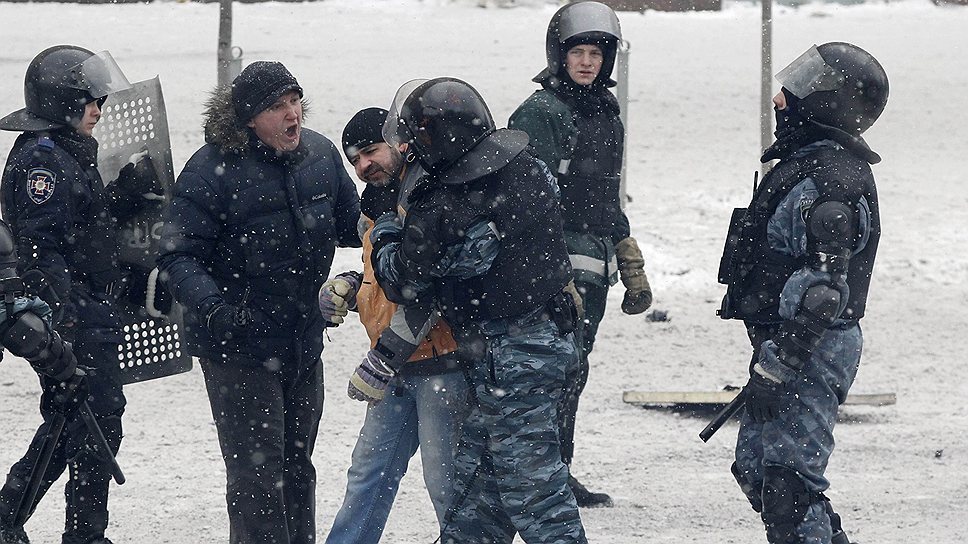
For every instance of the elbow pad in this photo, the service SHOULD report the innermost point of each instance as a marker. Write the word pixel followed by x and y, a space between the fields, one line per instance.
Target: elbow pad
pixel 798 337
pixel 31 338
pixel 832 234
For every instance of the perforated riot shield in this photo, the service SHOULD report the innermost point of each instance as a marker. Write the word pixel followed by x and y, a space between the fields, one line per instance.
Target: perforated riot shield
pixel 134 121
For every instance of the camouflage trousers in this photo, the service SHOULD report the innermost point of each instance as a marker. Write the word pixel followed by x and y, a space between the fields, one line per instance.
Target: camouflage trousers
pixel 801 439
pixel 510 478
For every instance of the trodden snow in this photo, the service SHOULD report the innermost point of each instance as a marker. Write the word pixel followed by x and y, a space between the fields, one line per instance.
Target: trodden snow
pixel 899 473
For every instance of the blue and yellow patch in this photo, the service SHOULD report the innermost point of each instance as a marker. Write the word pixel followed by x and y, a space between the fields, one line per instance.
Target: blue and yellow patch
pixel 40 185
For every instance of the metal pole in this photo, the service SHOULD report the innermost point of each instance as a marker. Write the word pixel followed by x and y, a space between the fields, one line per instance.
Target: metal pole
pixel 224 42
pixel 624 51
pixel 766 74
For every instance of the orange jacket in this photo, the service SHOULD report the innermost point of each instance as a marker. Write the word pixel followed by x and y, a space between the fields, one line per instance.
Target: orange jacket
pixel 375 312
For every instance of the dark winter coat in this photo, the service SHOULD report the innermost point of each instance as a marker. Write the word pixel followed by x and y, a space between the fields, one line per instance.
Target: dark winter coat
pixel 60 212
pixel 251 228
pixel 530 267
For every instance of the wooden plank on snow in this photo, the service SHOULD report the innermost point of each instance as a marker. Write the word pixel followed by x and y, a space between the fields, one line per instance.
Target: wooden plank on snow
pixel 723 397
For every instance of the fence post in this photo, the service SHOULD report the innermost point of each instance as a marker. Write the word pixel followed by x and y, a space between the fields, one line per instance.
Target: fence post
pixel 624 51
pixel 766 78
pixel 229 58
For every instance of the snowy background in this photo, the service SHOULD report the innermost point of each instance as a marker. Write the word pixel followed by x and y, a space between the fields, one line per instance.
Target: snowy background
pixel 899 474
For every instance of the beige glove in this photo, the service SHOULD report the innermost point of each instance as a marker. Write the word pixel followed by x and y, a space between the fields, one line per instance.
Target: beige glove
pixel 338 296
pixel 631 267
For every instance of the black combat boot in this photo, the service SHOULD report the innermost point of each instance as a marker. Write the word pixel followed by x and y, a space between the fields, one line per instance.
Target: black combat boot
pixel 840 537
pixel 9 535
pixel 587 499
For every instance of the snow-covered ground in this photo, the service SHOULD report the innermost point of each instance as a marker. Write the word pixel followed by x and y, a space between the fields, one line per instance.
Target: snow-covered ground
pixel 900 473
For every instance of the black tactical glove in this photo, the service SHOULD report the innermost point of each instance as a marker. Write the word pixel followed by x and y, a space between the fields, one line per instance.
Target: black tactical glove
pixel 65 397
pixel 138 177
pixel 226 321
pixel 763 397
pixel 421 248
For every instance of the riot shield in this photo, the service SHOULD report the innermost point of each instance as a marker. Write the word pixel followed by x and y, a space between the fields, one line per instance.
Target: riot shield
pixel 134 121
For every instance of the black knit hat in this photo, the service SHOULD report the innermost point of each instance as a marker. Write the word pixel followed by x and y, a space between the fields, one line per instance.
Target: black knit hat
pixel 364 129
pixel 259 86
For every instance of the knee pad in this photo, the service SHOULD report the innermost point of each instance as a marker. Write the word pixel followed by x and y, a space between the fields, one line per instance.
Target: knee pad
pixel 786 500
pixel 751 491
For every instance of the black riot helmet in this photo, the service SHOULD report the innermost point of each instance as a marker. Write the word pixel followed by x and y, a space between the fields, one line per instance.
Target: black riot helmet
pixel 60 82
pixel 448 126
pixel 581 23
pixel 839 85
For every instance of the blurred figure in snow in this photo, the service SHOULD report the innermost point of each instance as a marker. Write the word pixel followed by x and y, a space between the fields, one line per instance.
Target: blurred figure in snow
pixel 798 264
pixel 575 128
pixel 248 240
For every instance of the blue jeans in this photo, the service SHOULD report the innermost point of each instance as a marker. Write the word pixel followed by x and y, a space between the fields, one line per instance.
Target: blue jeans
pixel 424 411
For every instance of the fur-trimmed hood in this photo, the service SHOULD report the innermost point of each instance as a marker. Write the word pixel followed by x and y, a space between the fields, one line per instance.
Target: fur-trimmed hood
pixel 222 126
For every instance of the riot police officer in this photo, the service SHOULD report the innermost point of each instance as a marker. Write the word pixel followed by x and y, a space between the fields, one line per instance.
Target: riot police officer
pixel 25 332
pixel 574 127
pixel 63 221
pixel 483 236
pixel 798 264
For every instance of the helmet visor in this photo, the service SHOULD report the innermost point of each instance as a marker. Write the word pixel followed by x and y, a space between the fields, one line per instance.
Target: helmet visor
pixel 99 75
pixel 809 73
pixel 394 130
pixel 586 17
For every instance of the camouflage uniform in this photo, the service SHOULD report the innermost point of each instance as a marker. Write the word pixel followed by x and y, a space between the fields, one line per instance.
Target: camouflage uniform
pixel 802 438
pixel 509 461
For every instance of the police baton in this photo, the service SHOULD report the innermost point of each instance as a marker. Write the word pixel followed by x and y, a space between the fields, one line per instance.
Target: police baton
pixel 735 405
pixel 42 460
pixel 102 443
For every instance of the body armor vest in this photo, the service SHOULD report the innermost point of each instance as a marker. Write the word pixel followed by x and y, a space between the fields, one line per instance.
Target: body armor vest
pixel 589 176
pixel 532 264
pixel 755 273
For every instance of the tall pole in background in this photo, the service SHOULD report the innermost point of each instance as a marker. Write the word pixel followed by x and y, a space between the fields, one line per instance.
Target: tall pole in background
pixel 766 78
pixel 622 91
pixel 229 57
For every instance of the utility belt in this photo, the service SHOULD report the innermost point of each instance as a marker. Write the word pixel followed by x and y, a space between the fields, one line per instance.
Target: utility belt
pixel 560 309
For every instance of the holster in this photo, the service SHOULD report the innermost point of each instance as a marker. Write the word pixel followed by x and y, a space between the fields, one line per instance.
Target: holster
pixel 564 312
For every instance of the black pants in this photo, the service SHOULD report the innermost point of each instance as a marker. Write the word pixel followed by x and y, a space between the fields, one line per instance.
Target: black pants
pixel 90 476
pixel 267 422
pixel 593 297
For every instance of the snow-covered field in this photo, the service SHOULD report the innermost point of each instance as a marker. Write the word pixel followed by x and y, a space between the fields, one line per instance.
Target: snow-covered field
pixel 900 473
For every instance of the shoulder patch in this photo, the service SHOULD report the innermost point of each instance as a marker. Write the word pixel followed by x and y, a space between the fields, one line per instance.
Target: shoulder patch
pixel 45 143
pixel 40 184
